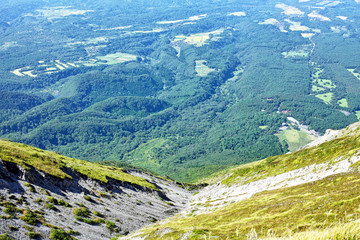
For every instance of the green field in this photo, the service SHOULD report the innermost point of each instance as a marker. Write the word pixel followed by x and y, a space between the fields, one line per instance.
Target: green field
pixel 293 54
pixel 295 138
pixel 343 103
pixel 326 97
pixel 324 83
pixel 315 88
pixel 199 39
pixel 358 115
pixel 116 58
pixel 201 69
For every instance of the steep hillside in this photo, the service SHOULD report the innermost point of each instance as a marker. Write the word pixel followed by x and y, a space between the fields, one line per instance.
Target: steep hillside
pixel 310 194
pixel 47 195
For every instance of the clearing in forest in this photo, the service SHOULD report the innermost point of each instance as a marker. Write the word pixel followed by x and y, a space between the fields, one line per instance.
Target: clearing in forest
pixel 343 103
pixel 295 138
pixel 273 21
pixel 326 97
pixel 193 18
pixel 326 83
pixel 316 89
pixel 199 39
pixel 358 115
pixel 296 26
pixel 355 73
pixel 201 69
pixel 237 14
pixel 315 15
pixel 61 12
pixel 293 54
pixel 289 10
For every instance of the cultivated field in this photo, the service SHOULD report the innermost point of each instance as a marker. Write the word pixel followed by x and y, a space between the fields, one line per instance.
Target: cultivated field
pixel 201 69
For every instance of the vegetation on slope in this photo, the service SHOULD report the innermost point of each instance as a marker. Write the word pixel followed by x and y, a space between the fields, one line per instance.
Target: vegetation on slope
pixel 52 163
pixel 281 212
pixel 314 206
pixel 345 146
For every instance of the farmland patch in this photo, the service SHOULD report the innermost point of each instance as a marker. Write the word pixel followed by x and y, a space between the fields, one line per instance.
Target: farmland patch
pixel 289 10
pixel 296 26
pixel 295 138
pixel 193 18
pixel 326 97
pixel 237 14
pixel 343 103
pixel 317 88
pixel 315 15
pixel 61 12
pixel 199 39
pixel 273 21
pixel 201 69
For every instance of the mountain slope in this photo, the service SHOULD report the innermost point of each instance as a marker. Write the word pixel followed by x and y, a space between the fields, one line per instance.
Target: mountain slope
pixel 311 190
pixel 43 194
pixel 218 79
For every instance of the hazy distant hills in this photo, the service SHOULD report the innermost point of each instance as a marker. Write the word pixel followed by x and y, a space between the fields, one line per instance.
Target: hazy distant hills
pixel 181 88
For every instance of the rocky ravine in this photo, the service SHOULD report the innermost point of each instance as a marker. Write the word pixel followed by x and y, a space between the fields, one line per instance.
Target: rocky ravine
pixel 116 208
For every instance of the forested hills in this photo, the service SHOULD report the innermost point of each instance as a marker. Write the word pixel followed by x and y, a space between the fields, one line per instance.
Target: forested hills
pixel 182 88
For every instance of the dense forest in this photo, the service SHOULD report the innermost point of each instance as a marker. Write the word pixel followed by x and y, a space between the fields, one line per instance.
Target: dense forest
pixel 182 88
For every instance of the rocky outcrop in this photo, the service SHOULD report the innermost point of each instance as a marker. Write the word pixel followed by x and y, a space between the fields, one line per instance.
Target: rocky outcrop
pixel 115 207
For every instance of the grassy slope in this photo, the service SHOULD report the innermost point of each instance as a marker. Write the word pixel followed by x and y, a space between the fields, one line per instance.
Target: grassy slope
pixel 324 207
pixel 52 163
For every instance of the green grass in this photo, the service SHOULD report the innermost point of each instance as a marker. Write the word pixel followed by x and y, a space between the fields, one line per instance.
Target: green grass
pixel 295 138
pixel 325 83
pixel 271 166
pixel 52 163
pixel 358 115
pixel 315 88
pixel 312 206
pixel 116 58
pixel 326 97
pixel 343 103
pixel 322 207
pixel 340 231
